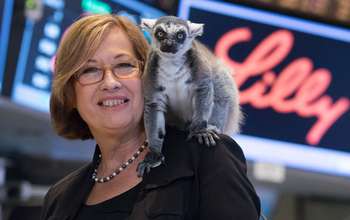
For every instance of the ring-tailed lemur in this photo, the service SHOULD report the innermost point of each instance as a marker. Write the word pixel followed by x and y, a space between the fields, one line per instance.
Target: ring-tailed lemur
pixel 186 85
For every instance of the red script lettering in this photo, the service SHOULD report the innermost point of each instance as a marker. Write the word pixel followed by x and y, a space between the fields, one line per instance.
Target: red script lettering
pixel 297 88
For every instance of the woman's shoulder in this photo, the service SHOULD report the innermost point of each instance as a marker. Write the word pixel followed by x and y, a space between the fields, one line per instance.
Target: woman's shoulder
pixel 69 181
pixel 223 144
pixel 66 194
pixel 226 148
pixel 73 176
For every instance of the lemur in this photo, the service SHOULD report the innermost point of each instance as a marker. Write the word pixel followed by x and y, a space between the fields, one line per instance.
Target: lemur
pixel 185 85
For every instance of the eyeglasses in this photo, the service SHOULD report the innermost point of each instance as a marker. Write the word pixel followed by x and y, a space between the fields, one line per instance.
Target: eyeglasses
pixel 124 69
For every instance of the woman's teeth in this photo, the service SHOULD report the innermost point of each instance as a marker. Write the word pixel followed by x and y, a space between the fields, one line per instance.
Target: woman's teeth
pixel 112 103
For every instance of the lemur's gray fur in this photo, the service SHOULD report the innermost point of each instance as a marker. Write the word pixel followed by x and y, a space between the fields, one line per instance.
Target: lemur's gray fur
pixel 186 85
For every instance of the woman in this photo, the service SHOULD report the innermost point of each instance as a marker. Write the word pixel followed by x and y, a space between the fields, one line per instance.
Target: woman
pixel 97 94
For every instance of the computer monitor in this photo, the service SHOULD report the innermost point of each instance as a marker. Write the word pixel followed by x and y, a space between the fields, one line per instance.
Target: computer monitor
pixel 6 8
pixel 33 77
pixel 293 76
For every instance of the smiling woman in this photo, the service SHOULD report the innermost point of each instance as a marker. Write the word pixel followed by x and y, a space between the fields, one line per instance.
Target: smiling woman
pixel 75 51
pixel 97 94
pixel 102 119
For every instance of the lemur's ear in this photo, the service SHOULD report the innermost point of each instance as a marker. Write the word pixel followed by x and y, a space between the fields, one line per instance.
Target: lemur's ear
pixel 148 24
pixel 195 29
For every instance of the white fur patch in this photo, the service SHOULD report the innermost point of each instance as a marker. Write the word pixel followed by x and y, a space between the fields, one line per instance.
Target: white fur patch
pixel 177 90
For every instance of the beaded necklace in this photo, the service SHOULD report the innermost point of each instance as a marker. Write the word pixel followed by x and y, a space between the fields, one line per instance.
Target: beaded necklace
pixel 99 180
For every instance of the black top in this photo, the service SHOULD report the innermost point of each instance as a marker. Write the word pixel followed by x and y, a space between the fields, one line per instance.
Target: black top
pixel 195 183
pixel 119 207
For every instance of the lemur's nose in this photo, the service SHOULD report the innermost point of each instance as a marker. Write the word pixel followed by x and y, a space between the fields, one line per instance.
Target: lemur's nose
pixel 168 43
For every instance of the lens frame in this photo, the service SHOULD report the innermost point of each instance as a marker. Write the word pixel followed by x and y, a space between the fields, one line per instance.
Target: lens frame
pixel 140 64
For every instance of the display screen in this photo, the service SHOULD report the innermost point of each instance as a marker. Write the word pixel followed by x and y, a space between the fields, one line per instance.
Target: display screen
pixel 330 10
pixel 32 84
pixel 293 78
pixel 6 8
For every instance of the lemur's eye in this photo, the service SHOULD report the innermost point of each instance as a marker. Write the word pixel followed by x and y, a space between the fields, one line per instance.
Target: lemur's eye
pixel 179 35
pixel 160 34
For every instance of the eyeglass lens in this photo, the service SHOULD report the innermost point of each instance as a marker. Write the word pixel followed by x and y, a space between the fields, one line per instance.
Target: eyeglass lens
pixel 122 69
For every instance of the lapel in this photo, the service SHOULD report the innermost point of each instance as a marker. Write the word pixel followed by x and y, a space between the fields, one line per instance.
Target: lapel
pixel 80 189
pixel 157 178
pixel 175 167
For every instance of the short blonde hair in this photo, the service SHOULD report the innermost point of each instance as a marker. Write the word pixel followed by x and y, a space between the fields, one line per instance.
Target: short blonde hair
pixel 79 44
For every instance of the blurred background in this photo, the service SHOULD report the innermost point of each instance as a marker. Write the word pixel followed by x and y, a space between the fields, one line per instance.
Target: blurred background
pixel 292 64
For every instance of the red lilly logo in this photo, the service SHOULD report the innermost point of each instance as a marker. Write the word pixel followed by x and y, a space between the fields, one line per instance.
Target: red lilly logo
pixel 296 89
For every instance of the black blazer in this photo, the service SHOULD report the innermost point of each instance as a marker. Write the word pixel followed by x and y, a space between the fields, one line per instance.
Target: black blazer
pixel 196 182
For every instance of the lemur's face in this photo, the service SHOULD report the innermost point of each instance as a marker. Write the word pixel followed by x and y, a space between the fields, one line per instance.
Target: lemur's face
pixel 170 38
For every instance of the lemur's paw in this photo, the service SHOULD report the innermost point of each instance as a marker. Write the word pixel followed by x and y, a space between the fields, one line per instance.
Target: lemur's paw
pixel 151 160
pixel 208 134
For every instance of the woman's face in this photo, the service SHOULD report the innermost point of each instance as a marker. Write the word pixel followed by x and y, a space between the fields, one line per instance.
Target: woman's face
pixel 92 99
